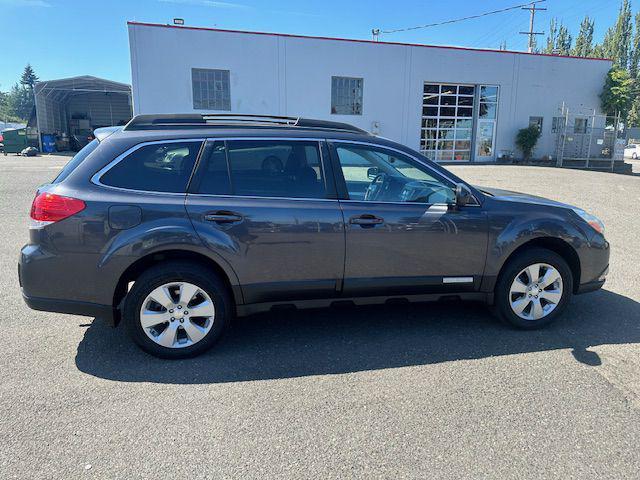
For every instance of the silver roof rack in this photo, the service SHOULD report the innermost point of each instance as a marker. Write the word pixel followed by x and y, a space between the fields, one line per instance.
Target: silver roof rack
pixel 195 120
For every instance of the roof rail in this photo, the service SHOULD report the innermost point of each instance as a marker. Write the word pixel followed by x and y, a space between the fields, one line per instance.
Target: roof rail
pixel 196 120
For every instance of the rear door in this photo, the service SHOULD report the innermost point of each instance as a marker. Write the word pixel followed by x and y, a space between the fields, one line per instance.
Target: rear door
pixel 268 207
pixel 402 235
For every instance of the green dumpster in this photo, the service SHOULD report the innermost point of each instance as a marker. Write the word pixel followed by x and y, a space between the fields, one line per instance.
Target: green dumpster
pixel 15 140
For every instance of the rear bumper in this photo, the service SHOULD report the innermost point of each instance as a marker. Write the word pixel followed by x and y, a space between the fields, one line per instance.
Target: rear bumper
pixel 71 307
pixel 42 279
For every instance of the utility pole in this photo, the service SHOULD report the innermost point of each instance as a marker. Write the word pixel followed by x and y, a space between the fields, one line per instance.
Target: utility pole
pixel 532 9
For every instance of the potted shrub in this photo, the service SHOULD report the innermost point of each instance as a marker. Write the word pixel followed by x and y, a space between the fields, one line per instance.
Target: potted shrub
pixel 526 140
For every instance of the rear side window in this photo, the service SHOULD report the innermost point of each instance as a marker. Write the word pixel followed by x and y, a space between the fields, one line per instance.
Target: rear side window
pixel 158 167
pixel 76 160
pixel 213 178
pixel 276 168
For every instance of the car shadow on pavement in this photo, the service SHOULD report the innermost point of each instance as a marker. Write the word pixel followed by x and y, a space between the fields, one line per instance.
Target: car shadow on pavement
pixel 333 341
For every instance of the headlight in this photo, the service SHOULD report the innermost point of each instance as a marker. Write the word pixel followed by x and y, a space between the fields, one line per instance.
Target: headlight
pixel 592 220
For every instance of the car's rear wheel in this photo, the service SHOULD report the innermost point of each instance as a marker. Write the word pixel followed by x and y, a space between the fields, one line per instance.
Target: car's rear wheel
pixel 533 289
pixel 177 310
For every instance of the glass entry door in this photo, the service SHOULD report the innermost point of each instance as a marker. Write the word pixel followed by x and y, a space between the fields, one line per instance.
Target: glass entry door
pixel 485 150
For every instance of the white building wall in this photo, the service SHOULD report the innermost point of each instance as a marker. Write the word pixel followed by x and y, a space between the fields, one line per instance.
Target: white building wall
pixel 289 75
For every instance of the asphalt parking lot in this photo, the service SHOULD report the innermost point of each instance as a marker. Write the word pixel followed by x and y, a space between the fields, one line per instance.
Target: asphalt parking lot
pixel 422 391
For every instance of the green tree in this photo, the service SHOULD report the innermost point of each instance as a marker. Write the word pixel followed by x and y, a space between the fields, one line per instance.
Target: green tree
pixel 563 45
pixel 633 119
pixel 617 41
pixel 598 51
pixel 559 39
pixel 618 93
pixel 20 99
pixel 634 55
pixel 526 140
pixel 29 77
pixel 552 37
pixel 20 102
pixel 584 40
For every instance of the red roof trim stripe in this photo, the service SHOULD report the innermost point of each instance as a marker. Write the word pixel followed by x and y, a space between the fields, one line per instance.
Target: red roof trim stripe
pixel 289 35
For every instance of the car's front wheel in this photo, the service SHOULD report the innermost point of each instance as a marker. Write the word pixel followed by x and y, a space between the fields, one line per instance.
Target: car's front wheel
pixel 176 310
pixel 533 289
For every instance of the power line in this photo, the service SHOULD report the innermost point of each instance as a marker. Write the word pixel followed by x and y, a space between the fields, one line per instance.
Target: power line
pixel 471 17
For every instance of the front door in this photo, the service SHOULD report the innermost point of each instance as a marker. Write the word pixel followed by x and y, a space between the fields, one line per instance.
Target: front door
pixel 402 235
pixel 486 123
pixel 485 151
pixel 263 206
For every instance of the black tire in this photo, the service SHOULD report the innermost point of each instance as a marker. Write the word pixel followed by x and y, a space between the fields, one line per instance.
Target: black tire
pixel 176 271
pixel 502 305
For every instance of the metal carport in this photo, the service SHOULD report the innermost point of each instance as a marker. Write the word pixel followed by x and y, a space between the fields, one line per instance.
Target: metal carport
pixel 69 105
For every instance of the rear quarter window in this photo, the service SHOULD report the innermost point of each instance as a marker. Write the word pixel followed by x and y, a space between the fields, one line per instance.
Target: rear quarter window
pixel 158 167
pixel 75 161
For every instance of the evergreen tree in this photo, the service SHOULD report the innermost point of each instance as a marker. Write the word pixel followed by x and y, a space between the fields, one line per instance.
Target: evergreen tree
pixel 634 54
pixel 584 40
pixel 633 120
pixel 559 39
pixel 29 77
pixel 598 51
pixel 552 37
pixel 563 44
pixel 20 102
pixel 617 42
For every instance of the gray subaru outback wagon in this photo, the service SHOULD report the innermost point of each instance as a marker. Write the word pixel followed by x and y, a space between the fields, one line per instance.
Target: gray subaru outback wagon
pixel 176 223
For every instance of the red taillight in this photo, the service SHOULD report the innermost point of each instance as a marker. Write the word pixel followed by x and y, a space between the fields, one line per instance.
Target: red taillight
pixel 49 207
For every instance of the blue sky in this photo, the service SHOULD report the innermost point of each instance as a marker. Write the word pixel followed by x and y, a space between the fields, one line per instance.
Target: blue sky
pixel 63 38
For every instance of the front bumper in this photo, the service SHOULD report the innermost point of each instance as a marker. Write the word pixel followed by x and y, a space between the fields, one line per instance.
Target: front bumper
pixel 590 287
pixel 595 284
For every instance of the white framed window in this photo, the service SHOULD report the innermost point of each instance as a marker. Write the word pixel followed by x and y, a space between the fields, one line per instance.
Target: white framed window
pixel 580 125
pixel 346 95
pixel 557 125
pixel 447 121
pixel 211 89
pixel 537 121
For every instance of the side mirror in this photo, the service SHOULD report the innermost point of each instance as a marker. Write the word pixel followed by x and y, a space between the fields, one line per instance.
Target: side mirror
pixel 463 195
pixel 372 172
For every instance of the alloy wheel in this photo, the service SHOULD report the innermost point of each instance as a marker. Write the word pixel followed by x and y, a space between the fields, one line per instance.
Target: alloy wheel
pixel 536 291
pixel 177 314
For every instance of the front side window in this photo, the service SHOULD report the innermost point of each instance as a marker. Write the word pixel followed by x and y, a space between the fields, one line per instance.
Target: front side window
pixel 211 89
pixel 276 168
pixel 157 167
pixel 346 95
pixel 379 175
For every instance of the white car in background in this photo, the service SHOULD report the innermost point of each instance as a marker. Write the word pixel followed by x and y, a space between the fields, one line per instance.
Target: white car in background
pixel 632 151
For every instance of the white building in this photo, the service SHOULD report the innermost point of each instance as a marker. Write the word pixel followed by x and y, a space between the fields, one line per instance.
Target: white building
pixel 454 104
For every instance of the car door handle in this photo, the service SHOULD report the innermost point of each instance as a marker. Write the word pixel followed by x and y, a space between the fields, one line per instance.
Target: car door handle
pixel 366 220
pixel 223 217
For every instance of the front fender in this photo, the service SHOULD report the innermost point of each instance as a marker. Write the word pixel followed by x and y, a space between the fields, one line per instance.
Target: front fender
pixel 509 232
